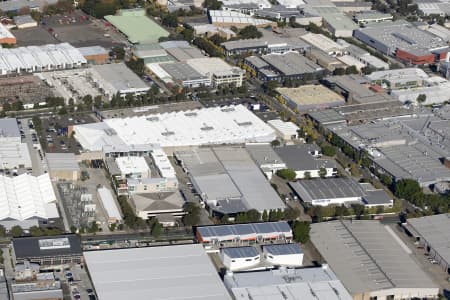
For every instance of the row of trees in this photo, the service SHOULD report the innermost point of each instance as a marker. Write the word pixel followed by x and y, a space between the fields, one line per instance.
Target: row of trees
pixel 271 215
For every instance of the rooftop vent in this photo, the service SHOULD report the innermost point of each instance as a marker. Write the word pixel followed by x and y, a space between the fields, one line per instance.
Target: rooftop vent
pixel 153 119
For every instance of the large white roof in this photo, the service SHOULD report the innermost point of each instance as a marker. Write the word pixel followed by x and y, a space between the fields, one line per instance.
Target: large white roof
pixel 132 164
pixel 25 196
pixel 206 126
pixel 39 56
pixel 109 204
pixel 169 272
pixel 4 32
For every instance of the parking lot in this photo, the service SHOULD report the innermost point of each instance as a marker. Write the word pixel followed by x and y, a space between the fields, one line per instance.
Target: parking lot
pixel 75 283
pixel 36 36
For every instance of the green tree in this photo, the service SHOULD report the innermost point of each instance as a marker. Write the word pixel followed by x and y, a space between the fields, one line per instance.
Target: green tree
pixel 265 216
pixel 351 70
pixel 407 188
pixel 16 231
pixel 2 231
pixel 118 52
pixel 291 214
pixel 249 32
pixel 157 229
pixel 170 20
pixel 192 216
pixel 307 175
pixel 339 71
pixel 322 172
pixel 301 231
pixel 225 219
pixel 421 98
pixel 358 209
pixel 212 4
pixel 253 215
pixel 287 174
pixel 328 150
pixel 275 143
pixel 386 180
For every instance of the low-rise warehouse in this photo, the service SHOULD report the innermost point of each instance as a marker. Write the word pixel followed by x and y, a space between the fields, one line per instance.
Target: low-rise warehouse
pixel 371 260
pixel 63 166
pixel 13 153
pixel 310 97
pixel 218 71
pixel 110 205
pixel 310 283
pixel 185 75
pixel 239 258
pixel 115 79
pixel 96 55
pixel 432 233
pixel 48 251
pixel 224 18
pixel 286 130
pixel 6 37
pixel 244 233
pixel 168 272
pixel 284 254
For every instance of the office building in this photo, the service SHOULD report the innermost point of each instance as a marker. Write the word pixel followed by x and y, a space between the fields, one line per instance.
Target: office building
pixel 185 75
pixel 218 71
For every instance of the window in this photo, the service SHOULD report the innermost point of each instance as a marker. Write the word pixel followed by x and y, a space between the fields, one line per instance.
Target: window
pixel 248 259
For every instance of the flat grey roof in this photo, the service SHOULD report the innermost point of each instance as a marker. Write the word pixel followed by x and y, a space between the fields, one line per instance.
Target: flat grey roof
pixel 327 116
pixel 435 231
pixel 92 50
pixel 9 128
pixel 368 256
pixel 240 252
pixel 298 158
pixel 283 249
pixel 120 76
pixel 169 272
pixel 62 161
pixel 263 154
pixel 289 284
pixel 182 71
pixel 182 54
pixel 291 63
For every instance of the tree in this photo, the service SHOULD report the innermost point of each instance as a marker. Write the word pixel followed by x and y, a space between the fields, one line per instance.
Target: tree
pixel 212 4
pixel 421 98
pixel 16 231
pixel 407 188
pixel 354 170
pixel 386 180
pixel 253 215
pixel 358 209
pixel 328 150
pixel 322 172
pixel 62 111
pixel 265 216
pixel 170 20
pixel 249 32
pixel 287 174
pixel 291 213
pixel 225 219
pixel 275 143
pixel 192 216
pixel 339 71
pixel 2 231
pixel 351 70
pixel 307 175
pixel 157 229
pixel 118 52
pixel 301 231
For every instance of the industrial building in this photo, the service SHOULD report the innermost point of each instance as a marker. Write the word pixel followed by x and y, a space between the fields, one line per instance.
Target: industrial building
pixel 288 131
pixel 363 56
pixel 266 158
pixel 243 234
pixel 27 200
pixel 109 205
pixel 48 251
pixel 402 147
pixel 136 26
pixel 323 43
pixel 371 260
pixel 185 75
pixel 40 58
pixel 218 71
pixel 432 233
pixel 329 63
pixel 339 24
pixel 42 288
pixel 305 162
pixel 167 272
pixel 115 79
pixel 63 166
pixel 405 78
pixel 206 126
pixel 372 16
pixel 208 30
pixel 281 67
pixel 340 191
pixel 310 97
pixel 290 254
pixel 228 180
pixel 16 5
pixel 183 53
pixel 6 37
pixel 25 21
pixel 95 55
pixel 245 6
pixel 13 153
pixel 240 258
pixel 151 53
pixel 224 18
pixel 309 283
pixel 403 41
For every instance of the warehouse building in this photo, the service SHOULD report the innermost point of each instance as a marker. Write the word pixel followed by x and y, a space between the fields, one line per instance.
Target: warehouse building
pixel 6 37
pixel 25 21
pixel 115 79
pixel 288 131
pixel 432 233
pixel 242 234
pixel 372 16
pixel 323 43
pixel 310 97
pixel 218 71
pixel 136 26
pixel 13 153
pixel 226 18
pixel 168 272
pixel 186 76
pixel 266 158
pixel 206 126
pixel 16 5
pixel 309 283
pixel 183 53
pixel 27 201
pixel 329 63
pixel 339 24
pixel 109 205
pixel 403 41
pixel 290 254
pixel 63 166
pixel 228 180
pixel 40 58
pixel 151 53
pixel 405 78
pixel 48 252
pixel 240 258
pixel 340 191
pixel 95 55
pixel 281 67
pixel 303 160
pixel 368 270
